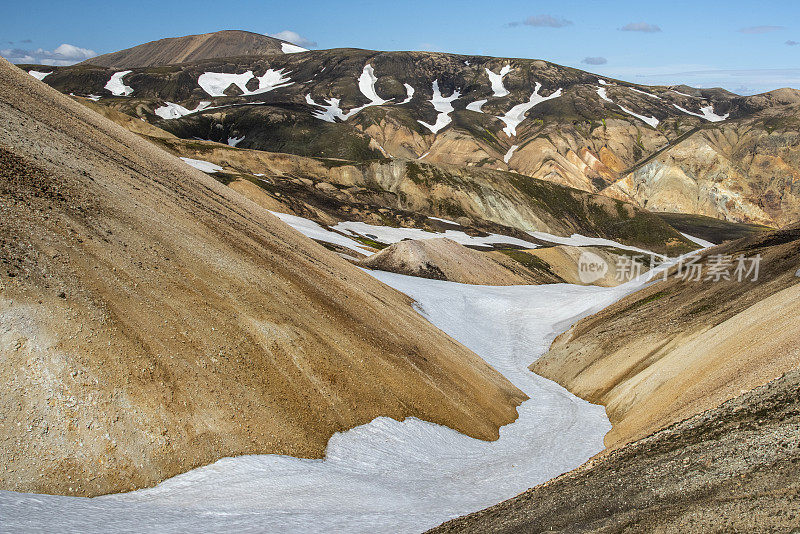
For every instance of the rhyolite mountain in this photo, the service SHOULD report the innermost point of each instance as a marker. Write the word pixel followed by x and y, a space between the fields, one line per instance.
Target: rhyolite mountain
pixel 676 149
pixel 171 50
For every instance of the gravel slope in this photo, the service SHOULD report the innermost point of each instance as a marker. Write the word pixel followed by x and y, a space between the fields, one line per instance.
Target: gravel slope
pixel 735 468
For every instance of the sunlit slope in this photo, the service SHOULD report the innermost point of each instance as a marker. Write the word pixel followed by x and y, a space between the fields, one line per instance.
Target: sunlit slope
pixel 153 320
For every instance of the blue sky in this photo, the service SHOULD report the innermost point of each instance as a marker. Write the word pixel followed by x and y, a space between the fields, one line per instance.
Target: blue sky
pixel 746 47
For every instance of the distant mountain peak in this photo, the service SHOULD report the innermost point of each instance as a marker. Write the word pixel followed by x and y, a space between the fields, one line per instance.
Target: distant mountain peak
pixel 172 50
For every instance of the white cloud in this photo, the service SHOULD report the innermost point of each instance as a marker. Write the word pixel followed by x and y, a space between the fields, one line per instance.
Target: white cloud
pixel 761 29
pixel 294 38
pixel 594 60
pixel 73 52
pixel 543 21
pixel 65 54
pixel 641 27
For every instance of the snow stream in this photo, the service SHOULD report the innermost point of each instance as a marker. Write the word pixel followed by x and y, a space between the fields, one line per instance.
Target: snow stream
pixel 385 476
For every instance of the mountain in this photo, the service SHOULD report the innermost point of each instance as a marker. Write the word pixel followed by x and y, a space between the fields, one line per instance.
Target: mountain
pixel 745 170
pixel 191 48
pixel 396 193
pixel 153 320
pixel 702 151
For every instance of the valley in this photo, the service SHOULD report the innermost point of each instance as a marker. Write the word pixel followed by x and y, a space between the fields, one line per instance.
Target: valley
pixel 248 285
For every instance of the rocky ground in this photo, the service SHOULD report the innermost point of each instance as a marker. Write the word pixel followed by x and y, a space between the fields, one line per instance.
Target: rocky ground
pixel 735 468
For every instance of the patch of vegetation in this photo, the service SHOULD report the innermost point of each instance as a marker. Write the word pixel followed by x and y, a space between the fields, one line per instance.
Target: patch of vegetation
pixel 528 260
pixel 709 228
pixel 450 207
pixel 225 178
pixel 370 242
pixel 703 308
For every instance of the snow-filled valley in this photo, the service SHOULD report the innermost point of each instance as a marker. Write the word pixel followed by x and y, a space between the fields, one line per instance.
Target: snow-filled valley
pixel 385 476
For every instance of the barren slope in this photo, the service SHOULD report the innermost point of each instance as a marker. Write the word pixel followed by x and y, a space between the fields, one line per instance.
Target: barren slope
pixel 153 320
pixel 680 347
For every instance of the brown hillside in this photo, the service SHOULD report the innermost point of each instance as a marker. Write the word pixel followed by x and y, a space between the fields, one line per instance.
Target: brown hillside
pixel 226 43
pixel 444 259
pixel 153 320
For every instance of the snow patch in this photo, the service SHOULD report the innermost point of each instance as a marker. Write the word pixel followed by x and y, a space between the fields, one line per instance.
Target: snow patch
pixel 635 90
pixel 366 84
pixel 390 235
pixel 289 48
pixel 328 113
pixel 516 115
pixel 652 121
pixel 233 141
pixel 510 153
pixel 170 110
pixel 39 75
pixel 116 85
pixel 444 105
pixel 444 220
pixel 205 166
pixel 496 81
pixel 684 94
pixel 702 242
pixel 409 94
pixel 601 92
pixel 706 112
pixel 602 82
pixel 314 231
pixel 215 83
pixel 477 105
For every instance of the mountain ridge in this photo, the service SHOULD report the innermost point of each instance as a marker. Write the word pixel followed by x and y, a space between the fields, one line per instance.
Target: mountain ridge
pixel 543 120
